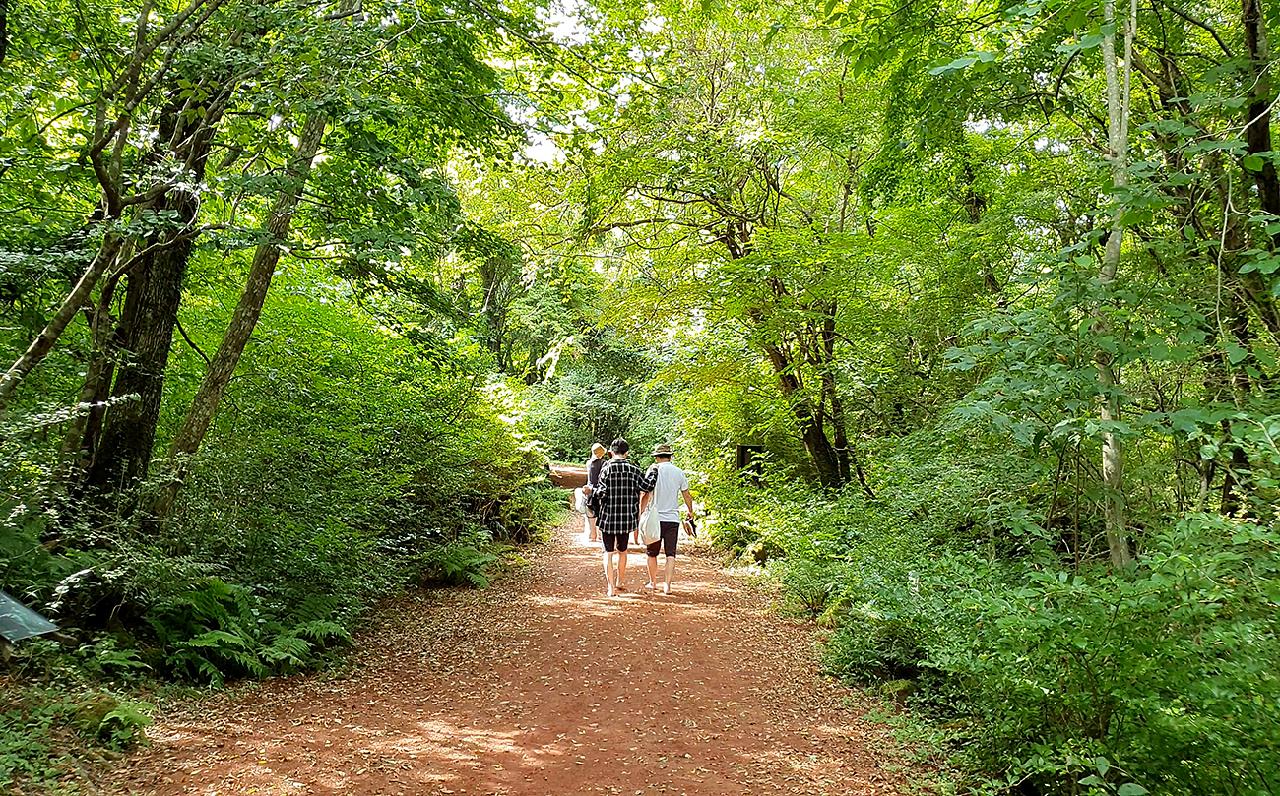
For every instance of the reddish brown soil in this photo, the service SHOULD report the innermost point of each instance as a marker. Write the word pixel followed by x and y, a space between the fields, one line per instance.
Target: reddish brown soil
pixel 542 685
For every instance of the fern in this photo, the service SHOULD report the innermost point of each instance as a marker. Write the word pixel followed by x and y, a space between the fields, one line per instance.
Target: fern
pixel 218 630
pixel 314 607
pixel 209 671
pixel 249 662
pixel 122 726
pixel 459 564
pixel 322 632
pixel 217 639
pixel 289 651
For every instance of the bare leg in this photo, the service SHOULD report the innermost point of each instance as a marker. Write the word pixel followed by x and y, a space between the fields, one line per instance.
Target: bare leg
pixel 619 582
pixel 671 571
pixel 608 573
pixel 652 562
pixel 593 534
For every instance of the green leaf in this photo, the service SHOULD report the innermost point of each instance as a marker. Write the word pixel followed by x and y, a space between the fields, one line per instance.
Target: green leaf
pixel 1130 789
pixel 1263 263
pixel 1236 353
pixel 963 62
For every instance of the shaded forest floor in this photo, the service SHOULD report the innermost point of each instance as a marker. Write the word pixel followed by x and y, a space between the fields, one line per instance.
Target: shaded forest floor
pixel 542 685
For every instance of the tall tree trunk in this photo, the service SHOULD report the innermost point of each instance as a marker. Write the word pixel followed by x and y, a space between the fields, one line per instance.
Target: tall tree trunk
pixel 494 276
pixel 245 317
pixel 77 447
pixel 122 452
pixel 4 29
pixel 812 433
pixel 1257 131
pixel 847 462
pixel 1118 143
pixel 1257 136
pixel 145 329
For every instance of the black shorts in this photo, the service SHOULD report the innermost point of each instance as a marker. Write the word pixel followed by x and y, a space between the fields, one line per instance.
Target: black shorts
pixel 670 532
pixel 615 541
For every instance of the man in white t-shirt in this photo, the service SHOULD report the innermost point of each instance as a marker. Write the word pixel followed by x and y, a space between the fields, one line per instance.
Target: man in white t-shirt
pixel 670 485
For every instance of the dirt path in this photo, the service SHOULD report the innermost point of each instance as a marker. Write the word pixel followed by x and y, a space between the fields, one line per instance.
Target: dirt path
pixel 541 685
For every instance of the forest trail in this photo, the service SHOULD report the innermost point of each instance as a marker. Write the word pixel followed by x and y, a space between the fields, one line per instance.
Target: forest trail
pixel 541 685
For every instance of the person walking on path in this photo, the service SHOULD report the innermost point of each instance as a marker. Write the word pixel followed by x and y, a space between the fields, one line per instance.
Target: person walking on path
pixel 666 485
pixel 618 500
pixel 594 465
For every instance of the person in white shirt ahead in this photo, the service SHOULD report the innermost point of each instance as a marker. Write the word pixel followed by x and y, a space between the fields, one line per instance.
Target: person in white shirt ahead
pixel 669 485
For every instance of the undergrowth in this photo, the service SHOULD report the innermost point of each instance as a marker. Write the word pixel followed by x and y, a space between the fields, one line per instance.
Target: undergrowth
pixel 253 578
pixel 1036 673
pixel 62 709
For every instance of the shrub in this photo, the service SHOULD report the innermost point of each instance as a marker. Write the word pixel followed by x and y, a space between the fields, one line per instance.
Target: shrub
pixel 1169 673
pixel 1052 676
pixel 122 726
pixel 809 584
pixel 117 723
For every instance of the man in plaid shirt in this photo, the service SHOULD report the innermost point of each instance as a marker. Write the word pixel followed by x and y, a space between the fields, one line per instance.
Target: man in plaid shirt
pixel 618 496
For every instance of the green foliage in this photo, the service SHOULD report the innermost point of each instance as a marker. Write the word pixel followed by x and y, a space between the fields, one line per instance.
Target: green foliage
pixel 810 585
pixel 107 660
pixel 123 725
pixel 44 729
pixel 1062 667
pixel 219 629
pixel 25 750
pixel 458 565
pixel 115 722
pixel 597 393
pixel 1047 677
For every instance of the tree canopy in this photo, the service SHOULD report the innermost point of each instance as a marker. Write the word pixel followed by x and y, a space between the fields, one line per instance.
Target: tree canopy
pixel 297 300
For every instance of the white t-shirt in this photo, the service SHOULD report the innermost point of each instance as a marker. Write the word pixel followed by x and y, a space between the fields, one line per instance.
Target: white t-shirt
pixel 666 494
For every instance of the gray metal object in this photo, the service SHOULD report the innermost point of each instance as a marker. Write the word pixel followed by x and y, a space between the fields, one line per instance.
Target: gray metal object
pixel 18 622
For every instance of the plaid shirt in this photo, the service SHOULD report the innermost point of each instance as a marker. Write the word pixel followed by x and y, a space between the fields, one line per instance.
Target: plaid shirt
pixel 621 483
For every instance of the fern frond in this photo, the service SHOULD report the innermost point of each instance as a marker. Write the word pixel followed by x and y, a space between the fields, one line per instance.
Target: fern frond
pixel 288 650
pixel 322 631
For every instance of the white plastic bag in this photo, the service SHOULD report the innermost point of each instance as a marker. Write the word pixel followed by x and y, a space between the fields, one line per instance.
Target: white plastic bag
pixel 650 527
